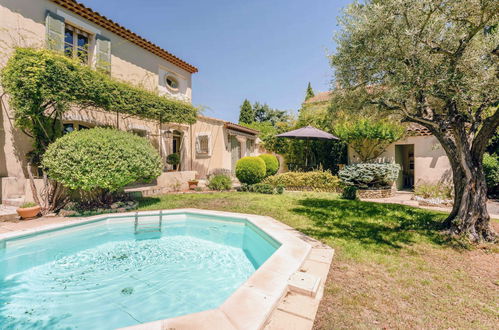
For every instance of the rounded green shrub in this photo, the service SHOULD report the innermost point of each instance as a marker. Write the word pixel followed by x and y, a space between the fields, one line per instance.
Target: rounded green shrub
pixel 271 163
pixel 173 159
pixel 250 170
pixel 491 169
pixel 220 182
pixel 349 192
pixel 101 158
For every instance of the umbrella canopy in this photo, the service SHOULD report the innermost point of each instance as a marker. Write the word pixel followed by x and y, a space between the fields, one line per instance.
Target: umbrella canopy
pixel 308 133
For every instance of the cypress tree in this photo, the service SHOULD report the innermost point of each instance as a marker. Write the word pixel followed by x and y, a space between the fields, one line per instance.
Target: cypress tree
pixel 247 114
pixel 310 92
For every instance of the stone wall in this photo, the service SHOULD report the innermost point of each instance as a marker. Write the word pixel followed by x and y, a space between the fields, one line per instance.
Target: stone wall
pixel 378 193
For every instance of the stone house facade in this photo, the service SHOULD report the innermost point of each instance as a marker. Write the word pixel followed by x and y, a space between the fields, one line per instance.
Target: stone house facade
pixel 207 146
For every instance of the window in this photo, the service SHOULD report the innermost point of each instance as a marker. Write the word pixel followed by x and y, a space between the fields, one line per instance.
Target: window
pixel 71 127
pixel 203 144
pixel 171 82
pixel 76 43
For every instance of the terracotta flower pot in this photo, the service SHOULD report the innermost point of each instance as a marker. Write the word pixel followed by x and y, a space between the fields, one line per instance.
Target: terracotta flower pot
pixel 28 212
pixel 193 184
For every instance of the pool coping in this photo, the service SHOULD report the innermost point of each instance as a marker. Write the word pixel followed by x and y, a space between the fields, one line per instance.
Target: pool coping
pixel 265 300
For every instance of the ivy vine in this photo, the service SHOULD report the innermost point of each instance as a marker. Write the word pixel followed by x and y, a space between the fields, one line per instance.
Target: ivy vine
pixel 42 85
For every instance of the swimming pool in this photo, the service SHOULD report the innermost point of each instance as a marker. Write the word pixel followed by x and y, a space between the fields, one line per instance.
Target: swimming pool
pixel 126 270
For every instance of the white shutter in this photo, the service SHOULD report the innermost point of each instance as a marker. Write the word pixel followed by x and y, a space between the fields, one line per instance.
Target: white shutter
pixel 54 25
pixel 103 54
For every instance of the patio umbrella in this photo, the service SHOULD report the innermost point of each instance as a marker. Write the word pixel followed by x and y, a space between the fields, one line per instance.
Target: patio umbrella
pixel 308 133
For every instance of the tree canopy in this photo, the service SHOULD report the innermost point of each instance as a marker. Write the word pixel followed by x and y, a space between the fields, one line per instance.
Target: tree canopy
pixel 246 114
pixel 434 63
pixel 310 92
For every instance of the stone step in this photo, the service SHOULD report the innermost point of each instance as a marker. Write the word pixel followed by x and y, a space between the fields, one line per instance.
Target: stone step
pixel 7 213
pixel 13 201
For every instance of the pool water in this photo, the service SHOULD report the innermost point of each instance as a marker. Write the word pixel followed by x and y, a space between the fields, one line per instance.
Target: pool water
pixel 113 273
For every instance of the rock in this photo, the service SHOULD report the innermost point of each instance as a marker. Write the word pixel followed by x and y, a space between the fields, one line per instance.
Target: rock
pixel 67 213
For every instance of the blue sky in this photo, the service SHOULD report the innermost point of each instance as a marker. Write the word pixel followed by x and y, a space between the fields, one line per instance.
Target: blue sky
pixel 262 50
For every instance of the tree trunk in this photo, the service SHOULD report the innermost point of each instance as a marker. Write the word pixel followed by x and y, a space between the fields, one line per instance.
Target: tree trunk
pixel 469 216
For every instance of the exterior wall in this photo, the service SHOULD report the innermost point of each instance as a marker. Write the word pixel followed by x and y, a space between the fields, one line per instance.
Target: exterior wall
pixel 431 164
pixel 22 24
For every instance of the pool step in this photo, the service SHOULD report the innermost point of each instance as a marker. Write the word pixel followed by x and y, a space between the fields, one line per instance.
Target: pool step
pixel 140 228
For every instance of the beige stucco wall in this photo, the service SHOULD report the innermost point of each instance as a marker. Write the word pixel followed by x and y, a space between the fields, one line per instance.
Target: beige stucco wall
pixel 22 24
pixel 431 164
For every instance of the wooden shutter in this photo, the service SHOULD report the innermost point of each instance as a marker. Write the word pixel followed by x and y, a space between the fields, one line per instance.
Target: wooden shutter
pixel 103 53
pixel 54 25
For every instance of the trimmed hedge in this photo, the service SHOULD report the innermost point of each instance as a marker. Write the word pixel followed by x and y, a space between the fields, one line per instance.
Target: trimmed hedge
pixel 262 188
pixel 220 182
pixel 306 181
pixel 271 163
pixel 101 158
pixel 370 175
pixel 250 170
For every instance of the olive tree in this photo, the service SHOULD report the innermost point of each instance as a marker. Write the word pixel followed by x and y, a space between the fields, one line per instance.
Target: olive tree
pixel 435 63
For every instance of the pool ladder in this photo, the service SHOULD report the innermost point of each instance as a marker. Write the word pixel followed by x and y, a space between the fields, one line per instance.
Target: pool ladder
pixel 149 227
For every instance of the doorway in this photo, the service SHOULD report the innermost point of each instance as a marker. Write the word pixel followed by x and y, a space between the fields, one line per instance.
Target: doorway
pixel 404 156
pixel 235 151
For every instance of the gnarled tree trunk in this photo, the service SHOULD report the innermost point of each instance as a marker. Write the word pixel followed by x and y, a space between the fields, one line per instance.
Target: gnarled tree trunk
pixel 469 216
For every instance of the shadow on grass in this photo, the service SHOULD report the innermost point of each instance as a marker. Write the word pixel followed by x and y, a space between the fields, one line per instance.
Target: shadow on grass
pixel 374 226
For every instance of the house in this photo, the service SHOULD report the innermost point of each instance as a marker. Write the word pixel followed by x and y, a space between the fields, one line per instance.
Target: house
pixel 205 147
pixel 419 154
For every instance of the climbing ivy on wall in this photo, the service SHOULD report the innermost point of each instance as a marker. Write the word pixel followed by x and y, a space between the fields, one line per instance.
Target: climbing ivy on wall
pixel 42 85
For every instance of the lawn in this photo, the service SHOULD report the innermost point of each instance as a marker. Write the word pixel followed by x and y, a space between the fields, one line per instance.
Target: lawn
pixel 392 268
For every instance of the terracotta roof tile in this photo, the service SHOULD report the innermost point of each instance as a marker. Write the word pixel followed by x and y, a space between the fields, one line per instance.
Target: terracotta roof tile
pixel 319 97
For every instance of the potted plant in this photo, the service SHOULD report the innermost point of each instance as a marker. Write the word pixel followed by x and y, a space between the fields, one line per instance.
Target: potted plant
pixel 193 184
pixel 28 210
pixel 174 160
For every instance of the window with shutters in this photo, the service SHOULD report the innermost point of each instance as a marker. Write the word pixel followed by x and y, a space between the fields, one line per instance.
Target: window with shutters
pixel 76 43
pixel 203 144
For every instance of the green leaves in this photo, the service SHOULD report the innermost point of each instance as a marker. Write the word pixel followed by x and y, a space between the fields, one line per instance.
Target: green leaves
pixel 250 170
pixel 43 84
pixel 101 158
pixel 368 137
pixel 370 175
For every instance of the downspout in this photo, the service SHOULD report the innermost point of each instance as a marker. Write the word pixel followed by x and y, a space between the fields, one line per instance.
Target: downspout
pixel 192 154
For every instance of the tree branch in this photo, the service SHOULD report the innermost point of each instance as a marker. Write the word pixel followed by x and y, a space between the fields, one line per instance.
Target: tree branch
pixel 483 136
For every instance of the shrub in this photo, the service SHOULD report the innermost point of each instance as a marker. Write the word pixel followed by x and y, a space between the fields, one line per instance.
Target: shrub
pixel 349 192
pixel 262 188
pixel 25 205
pixel 370 175
pixel 101 158
pixel 368 137
pixel 313 181
pixel 491 168
pixel 173 159
pixel 438 190
pixel 271 163
pixel 220 182
pixel 250 170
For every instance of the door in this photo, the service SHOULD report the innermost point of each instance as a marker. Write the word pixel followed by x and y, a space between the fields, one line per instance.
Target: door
pixel 235 151
pixel 404 156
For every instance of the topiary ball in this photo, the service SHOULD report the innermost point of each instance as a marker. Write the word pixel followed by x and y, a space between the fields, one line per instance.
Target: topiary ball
pixel 101 158
pixel 250 170
pixel 271 163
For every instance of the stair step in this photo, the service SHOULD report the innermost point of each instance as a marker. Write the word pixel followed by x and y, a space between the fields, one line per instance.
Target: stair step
pixel 13 201
pixel 7 213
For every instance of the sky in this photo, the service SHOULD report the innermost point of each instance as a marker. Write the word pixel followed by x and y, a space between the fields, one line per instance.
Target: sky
pixel 261 50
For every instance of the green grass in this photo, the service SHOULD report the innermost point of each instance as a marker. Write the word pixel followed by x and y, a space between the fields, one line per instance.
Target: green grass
pixel 392 267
